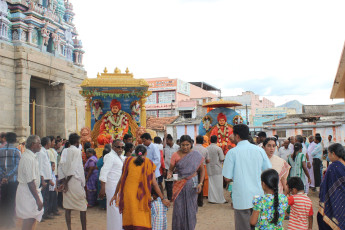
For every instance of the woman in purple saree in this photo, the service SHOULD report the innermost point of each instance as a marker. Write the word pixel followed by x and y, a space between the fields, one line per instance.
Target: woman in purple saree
pixel 186 163
pixel 332 191
pixel 91 177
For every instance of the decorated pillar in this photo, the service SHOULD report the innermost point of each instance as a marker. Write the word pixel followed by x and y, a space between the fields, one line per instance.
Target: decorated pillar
pixel 143 111
pixel 22 97
pixel 31 27
pixel 88 113
pixel 76 57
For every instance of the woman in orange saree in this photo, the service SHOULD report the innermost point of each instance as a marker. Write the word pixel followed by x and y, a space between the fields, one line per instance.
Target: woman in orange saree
pixel 185 191
pixel 133 192
pixel 205 188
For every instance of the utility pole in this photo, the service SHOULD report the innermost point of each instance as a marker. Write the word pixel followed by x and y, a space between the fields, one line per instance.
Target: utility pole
pixel 247 114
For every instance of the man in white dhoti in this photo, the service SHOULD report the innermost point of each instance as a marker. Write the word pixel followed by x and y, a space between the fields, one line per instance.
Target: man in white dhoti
pixel 46 174
pixel 29 202
pixel 109 176
pixel 214 170
pixel 73 182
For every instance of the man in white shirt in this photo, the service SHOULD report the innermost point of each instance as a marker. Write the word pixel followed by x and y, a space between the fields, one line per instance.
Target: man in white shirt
pixel 72 177
pixel 284 151
pixel 29 205
pixel 328 143
pixel 52 153
pixel 292 143
pixel 109 177
pixel 46 173
pixel 169 150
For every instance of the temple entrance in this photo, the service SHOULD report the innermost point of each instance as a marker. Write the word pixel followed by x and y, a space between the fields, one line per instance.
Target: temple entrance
pixel 49 113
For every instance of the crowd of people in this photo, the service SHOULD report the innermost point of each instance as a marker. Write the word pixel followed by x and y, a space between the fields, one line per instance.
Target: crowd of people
pixel 136 182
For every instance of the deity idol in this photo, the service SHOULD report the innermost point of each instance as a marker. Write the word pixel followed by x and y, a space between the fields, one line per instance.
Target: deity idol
pixel 223 131
pixel 115 122
pixel 135 111
pixel 97 106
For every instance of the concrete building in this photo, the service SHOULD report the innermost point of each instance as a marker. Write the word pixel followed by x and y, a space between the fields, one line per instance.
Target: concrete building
pixel 320 119
pixel 250 102
pixel 183 126
pixel 41 61
pixel 268 114
pixel 174 97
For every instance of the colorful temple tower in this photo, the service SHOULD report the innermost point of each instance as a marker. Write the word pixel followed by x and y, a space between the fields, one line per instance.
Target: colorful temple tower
pixel 44 24
pixel 41 68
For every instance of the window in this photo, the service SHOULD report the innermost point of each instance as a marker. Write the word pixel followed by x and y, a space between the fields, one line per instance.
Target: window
pixel 165 113
pixel 166 97
pixel 151 113
pixel 152 99
pixel 186 114
pixel 281 133
pixel 307 133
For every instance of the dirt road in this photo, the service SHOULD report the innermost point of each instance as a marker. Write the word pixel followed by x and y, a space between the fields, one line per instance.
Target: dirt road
pixel 210 217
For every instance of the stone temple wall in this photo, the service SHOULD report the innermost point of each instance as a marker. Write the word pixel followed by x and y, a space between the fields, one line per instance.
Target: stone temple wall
pixel 19 67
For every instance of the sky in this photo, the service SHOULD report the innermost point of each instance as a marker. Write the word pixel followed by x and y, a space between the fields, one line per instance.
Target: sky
pixel 282 50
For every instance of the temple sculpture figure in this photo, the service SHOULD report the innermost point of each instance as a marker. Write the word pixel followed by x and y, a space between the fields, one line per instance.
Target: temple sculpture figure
pixel 223 131
pixel 114 122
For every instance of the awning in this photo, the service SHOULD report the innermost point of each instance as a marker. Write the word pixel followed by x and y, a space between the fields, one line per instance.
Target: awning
pixel 185 108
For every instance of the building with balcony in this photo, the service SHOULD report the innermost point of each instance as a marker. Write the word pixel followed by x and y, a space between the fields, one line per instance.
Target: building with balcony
pixel 250 103
pixel 175 97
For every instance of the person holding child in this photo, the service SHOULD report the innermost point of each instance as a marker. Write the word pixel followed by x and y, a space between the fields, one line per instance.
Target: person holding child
pixel 269 209
pixel 133 191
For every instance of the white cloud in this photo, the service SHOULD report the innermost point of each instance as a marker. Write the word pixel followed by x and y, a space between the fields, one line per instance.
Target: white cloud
pixel 219 42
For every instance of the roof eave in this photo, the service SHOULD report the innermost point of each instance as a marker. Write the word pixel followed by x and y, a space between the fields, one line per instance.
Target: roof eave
pixel 338 89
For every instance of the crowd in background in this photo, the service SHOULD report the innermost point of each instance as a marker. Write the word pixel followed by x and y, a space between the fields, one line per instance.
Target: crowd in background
pixel 137 180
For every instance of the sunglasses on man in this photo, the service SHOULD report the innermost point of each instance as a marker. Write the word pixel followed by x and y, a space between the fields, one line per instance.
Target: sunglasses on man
pixel 120 147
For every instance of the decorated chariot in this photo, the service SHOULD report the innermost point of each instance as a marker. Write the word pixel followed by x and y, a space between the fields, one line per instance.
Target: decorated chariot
pixel 219 121
pixel 115 106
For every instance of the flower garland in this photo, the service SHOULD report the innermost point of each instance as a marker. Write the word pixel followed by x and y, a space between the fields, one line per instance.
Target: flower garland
pixel 224 133
pixel 120 123
pixel 93 93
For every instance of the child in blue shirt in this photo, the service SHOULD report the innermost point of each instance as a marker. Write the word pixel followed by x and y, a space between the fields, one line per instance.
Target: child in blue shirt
pixel 158 213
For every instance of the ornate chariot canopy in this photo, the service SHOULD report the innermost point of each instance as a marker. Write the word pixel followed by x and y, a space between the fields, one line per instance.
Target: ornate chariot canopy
pixel 221 103
pixel 108 86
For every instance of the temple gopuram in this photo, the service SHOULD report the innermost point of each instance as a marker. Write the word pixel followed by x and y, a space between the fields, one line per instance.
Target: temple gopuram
pixel 41 68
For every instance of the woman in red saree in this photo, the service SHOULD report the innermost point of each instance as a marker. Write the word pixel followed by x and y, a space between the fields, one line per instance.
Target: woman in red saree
pixel 186 163
pixel 133 192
